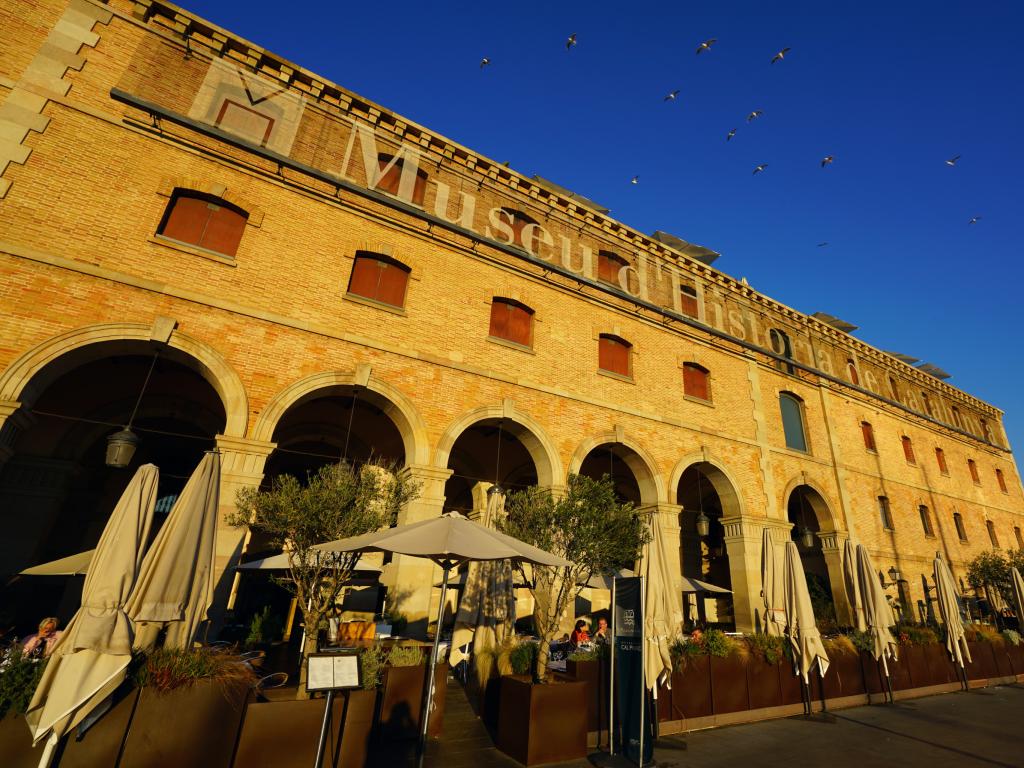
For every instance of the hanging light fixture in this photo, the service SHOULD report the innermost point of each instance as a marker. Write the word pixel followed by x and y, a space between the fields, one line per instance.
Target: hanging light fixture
pixel 806 534
pixel 703 521
pixel 121 445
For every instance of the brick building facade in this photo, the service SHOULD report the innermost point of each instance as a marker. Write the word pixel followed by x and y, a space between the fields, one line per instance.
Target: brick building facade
pixel 320 277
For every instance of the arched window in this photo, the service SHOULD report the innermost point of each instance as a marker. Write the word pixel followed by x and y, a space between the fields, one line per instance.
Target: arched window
pixel 992 533
pixel 973 467
pixel 908 450
pixel 986 431
pixel 851 368
pixel 869 436
pixel 511 321
pixel 609 264
pixel 519 222
pixel 781 346
pixel 614 355
pixel 958 421
pixel 688 304
pixel 927 403
pixel 1020 539
pixel 885 513
pixel 1001 480
pixel 380 278
pixel 958 521
pixel 392 178
pixel 792 409
pixel 894 390
pixel 926 521
pixel 696 381
pixel 203 221
pixel 940 459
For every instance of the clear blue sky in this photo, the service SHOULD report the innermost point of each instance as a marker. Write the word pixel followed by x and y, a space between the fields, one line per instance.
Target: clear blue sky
pixel 890 89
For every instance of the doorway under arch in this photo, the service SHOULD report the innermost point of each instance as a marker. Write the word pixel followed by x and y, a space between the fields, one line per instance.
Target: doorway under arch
pixel 809 514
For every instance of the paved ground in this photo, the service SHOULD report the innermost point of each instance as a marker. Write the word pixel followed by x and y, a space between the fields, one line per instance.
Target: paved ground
pixel 979 729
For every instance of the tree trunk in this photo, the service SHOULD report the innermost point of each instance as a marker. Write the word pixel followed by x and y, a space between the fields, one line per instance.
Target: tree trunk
pixel 543 652
pixel 308 646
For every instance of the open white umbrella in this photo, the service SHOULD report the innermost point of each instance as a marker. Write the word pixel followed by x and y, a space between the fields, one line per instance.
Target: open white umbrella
pixel 175 586
pixel 90 659
pixel 604 580
pixel 663 620
pixel 449 541
pixel 772 590
pixel 854 587
pixel 949 609
pixel 877 612
pixel 72 565
pixel 804 637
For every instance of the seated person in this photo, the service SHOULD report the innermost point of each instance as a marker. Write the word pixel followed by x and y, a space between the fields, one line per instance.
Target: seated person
pixel 41 644
pixel 602 633
pixel 579 634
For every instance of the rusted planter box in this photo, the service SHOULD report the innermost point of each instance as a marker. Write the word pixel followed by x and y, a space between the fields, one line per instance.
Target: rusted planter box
pixel 16 744
pixel 595 675
pixel 102 742
pixel 691 689
pixel 917 666
pixel 789 683
pixel 763 685
pixel 1016 656
pixel 899 671
pixel 940 665
pixel 983 662
pixel 1003 667
pixel 543 723
pixel 728 685
pixel 402 699
pixel 844 676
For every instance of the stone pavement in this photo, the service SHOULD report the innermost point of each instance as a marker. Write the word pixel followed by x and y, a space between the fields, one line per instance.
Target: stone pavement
pixel 980 729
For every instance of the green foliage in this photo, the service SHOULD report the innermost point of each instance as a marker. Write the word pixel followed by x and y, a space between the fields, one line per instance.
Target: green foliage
pixel 822 604
pixel 371 663
pixel 682 650
pixel 992 570
pixel 398 622
pixel 840 645
pixel 915 634
pixel 771 648
pixel 405 656
pixel 862 641
pixel 19 676
pixel 167 669
pixel 586 526
pixel 983 633
pixel 523 657
pixel 1011 636
pixel 265 627
pixel 717 644
pixel 714 642
pixel 592 655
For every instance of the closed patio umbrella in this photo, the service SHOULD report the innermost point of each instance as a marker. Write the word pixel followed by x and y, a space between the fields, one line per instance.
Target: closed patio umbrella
pixel 877 611
pixel 949 609
pixel 487 609
pixel 854 587
pixel 663 620
pixel 90 659
pixel 72 565
pixel 1018 593
pixel 449 541
pixel 772 573
pixel 175 586
pixel 801 628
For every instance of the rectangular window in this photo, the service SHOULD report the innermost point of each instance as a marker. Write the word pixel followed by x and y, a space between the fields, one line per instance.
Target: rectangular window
pixel 696 381
pixel 379 278
pixel 885 513
pixel 511 321
pixel 958 521
pixel 908 450
pixel 894 390
pixel 609 264
pixel 940 457
pixel 974 471
pixel 1001 480
pixel 1020 539
pixel 613 355
pixel 926 521
pixel 688 300
pixel 869 436
pixel 793 421
pixel 992 533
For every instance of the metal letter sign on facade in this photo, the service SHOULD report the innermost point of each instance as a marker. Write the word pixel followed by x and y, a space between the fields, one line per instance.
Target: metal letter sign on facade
pixel 631 731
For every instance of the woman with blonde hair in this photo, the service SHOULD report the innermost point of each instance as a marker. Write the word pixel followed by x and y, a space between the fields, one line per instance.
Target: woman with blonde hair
pixel 43 642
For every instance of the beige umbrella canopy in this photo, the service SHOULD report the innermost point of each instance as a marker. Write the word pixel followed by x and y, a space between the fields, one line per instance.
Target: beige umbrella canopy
pixel 802 631
pixel 175 586
pixel 90 659
pixel 772 590
pixel 877 611
pixel 72 565
pixel 855 591
pixel 949 609
pixel 662 618
pixel 1018 593
pixel 487 609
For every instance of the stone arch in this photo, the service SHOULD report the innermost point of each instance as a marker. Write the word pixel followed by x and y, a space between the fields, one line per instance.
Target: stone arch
pixel 29 375
pixel 819 502
pixel 636 457
pixel 388 398
pixel 531 434
pixel 718 475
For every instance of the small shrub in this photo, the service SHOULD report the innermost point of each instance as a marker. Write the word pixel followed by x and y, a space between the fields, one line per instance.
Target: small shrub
pixel 522 657
pixel 862 641
pixel 1011 636
pixel 168 669
pixel 405 657
pixel 580 655
pixel 398 623
pixel 19 676
pixel 371 662
pixel 840 645
pixel 982 633
pixel 770 648
pixel 682 650
pixel 264 627
pixel 913 634
pixel 717 644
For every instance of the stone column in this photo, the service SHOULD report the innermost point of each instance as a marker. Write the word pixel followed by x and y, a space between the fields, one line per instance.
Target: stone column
pixel 410 580
pixel 832 544
pixel 241 466
pixel 743 537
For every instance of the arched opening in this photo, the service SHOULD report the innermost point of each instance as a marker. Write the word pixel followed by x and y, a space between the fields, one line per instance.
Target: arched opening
pixel 706 557
pixel 487 453
pixel 56 491
pixel 621 464
pixel 808 513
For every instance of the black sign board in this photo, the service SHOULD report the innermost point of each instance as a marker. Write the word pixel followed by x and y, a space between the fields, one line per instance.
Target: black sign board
pixel 632 729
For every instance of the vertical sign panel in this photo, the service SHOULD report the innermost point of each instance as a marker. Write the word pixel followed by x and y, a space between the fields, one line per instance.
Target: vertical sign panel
pixel 629 672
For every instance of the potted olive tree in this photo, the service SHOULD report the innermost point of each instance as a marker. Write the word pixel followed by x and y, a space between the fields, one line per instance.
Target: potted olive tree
pixel 588 527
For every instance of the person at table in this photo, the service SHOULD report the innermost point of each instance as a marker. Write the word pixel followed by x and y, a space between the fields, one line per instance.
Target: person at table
pixel 41 644
pixel 579 634
pixel 601 633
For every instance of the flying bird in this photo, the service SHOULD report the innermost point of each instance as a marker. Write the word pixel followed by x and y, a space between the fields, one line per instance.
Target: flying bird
pixel 635 180
pixel 672 95
pixel 706 45
pixel 974 220
pixel 952 161
pixel 760 168
pixel 780 55
pixel 754 115
pixel 569 43
pixel 827 160
pixel 822 245
pixel 730 134
pixel 484 62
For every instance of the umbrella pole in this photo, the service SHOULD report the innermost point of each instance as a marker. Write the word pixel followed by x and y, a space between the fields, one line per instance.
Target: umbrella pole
pixel 428 693
pixel 821 687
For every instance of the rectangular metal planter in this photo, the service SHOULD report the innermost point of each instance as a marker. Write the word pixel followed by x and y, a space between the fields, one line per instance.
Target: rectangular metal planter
pixel 983 663
pixel 285 733
pixel 728 685
pixel 940 665
pixel 763 685
pixel 101 743
pixel 16 744
pixel 595 674
pixel 402 700
pixel 844 676
pixel 691 689
pixel 542 723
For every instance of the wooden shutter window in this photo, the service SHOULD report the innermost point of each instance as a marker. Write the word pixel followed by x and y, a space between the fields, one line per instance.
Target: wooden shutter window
pixel 974 470
pixel 613 355
pixel 511 321
pixel 940 457
pixel 391 181
pixel 608 265
pixel 926 521
pixel 908 450
pixel 869 436
pixel 375 277
pixel 992 533
pixel 885 513
pixel 1001 480
pixel 696 381
pixel 958 521
pixel 204 221
pixel 688 301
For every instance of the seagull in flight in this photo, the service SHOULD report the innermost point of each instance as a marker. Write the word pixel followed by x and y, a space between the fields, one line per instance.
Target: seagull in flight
pixel 974 220
pixel 672 95
pixel 754 115
pixel 730 135
pixel 952 161
pixel 780 55
pixel 823 245
pixel 706 45
pixel 827 160
pixel 484 62
pixel 570 42
pixel 635 180
pixel 760 168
